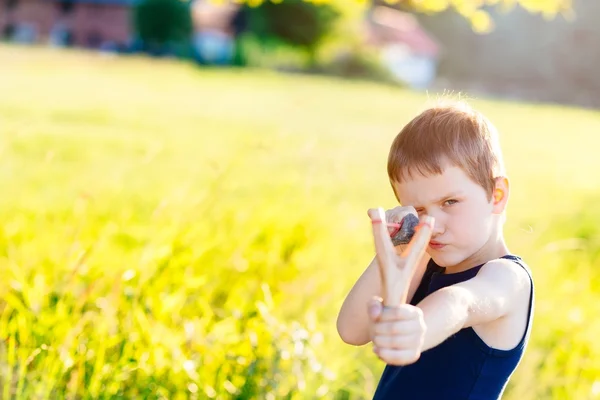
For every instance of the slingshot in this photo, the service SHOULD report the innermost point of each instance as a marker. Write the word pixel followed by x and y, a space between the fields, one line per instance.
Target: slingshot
pixel 397 270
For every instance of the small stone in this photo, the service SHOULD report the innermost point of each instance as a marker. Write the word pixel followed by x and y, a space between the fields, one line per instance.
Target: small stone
pixel 407 230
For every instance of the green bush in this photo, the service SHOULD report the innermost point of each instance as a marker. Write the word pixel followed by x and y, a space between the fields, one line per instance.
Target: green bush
pixel 359 62
pixel 160 22
pixel 295 23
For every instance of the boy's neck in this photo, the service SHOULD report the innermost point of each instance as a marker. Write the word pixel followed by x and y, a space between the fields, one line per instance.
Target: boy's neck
pixel 493 249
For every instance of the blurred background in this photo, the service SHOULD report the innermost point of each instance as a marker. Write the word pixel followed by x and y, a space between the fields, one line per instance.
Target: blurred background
pixel 185 184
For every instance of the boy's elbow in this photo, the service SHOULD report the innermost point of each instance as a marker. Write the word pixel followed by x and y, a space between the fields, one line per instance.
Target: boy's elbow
pixel 351 336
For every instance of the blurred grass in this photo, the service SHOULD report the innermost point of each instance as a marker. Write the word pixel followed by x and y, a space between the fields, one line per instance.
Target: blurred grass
pixel 173 232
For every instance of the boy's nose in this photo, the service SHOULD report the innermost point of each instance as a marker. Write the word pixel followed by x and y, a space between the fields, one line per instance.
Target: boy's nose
pixel 438 228
pixel 437 231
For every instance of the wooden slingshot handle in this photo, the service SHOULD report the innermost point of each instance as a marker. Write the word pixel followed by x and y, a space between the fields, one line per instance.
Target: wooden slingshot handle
pixel 397 271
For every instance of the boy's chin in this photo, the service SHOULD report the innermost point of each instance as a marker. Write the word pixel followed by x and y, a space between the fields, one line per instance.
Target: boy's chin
pixel 446 260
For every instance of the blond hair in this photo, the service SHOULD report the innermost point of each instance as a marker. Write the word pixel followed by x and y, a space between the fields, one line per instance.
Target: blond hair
pixel 450 132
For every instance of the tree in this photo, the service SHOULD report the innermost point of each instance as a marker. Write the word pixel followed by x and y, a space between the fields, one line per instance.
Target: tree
pixel 480 19
pixel 299 23
pixel 161 22
pixel 473 10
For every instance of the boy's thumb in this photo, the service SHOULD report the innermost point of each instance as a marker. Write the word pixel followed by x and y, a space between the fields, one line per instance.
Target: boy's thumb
pixel 374 307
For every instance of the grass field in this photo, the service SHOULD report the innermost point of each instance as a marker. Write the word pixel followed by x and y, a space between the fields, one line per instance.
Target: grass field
pixel 173 232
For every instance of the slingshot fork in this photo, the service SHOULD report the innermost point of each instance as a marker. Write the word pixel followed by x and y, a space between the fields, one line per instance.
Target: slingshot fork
pixel 397 270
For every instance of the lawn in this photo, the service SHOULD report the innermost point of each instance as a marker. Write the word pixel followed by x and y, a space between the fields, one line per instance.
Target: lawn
pixel 175 232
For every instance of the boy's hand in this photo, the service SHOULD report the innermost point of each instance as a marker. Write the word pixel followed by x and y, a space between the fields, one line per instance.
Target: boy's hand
pixel 397 329
pixel 397 333
pixel 396 215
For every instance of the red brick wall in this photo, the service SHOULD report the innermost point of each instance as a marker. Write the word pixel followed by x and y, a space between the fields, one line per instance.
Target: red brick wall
pixel 38 13
pixel 111 22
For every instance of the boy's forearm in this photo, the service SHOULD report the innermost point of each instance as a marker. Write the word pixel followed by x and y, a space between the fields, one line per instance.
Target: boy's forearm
pixel 445 312
pixel 353 320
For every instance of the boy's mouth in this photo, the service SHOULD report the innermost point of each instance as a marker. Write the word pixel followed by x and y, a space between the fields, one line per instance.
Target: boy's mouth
pixel 436 245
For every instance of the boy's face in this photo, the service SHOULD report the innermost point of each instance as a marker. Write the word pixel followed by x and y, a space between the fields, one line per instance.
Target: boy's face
pixel 465 219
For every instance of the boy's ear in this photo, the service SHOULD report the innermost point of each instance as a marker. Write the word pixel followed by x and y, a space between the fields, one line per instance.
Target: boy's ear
pixel 500 195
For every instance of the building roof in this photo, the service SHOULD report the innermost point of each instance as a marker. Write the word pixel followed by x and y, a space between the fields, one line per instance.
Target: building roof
pixel 388 25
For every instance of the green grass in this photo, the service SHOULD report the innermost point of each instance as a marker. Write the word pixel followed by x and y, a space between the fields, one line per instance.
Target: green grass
pixel 173 232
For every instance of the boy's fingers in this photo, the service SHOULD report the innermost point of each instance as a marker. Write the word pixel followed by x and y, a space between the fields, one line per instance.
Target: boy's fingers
pixel 394 341
pixel 396 313
pixel 393 328
pixel 374 308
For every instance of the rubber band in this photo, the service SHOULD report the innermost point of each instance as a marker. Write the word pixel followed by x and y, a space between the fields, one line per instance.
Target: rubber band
pixel 396 227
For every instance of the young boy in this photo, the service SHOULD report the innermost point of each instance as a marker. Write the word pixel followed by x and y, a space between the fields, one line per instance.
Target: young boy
pixel 471 301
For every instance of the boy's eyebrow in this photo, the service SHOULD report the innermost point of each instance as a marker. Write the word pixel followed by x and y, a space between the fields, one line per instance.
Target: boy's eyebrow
pixel 452 194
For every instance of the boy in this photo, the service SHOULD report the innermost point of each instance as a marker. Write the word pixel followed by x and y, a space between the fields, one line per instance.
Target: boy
pixel 471 301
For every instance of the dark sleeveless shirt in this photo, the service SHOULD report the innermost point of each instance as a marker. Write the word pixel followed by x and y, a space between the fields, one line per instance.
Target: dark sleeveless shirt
pixel 462 367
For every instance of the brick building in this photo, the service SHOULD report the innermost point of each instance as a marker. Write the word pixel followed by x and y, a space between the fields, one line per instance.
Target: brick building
pixel 82 23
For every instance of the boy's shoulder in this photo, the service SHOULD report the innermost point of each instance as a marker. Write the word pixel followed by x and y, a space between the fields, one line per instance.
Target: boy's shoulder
pixel 500 288
pixel 509 274
pixel 505 280
pixel 505 292
pixel 507 269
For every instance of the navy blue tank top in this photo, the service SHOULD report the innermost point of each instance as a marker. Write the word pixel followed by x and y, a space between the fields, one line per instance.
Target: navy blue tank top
pixel 462 367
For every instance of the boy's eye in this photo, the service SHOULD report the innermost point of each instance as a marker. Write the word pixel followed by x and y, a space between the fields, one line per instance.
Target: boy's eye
pixel 450 202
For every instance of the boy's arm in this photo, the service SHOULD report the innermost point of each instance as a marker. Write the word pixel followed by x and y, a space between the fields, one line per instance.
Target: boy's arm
pixel 494 292
pixel 353 323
